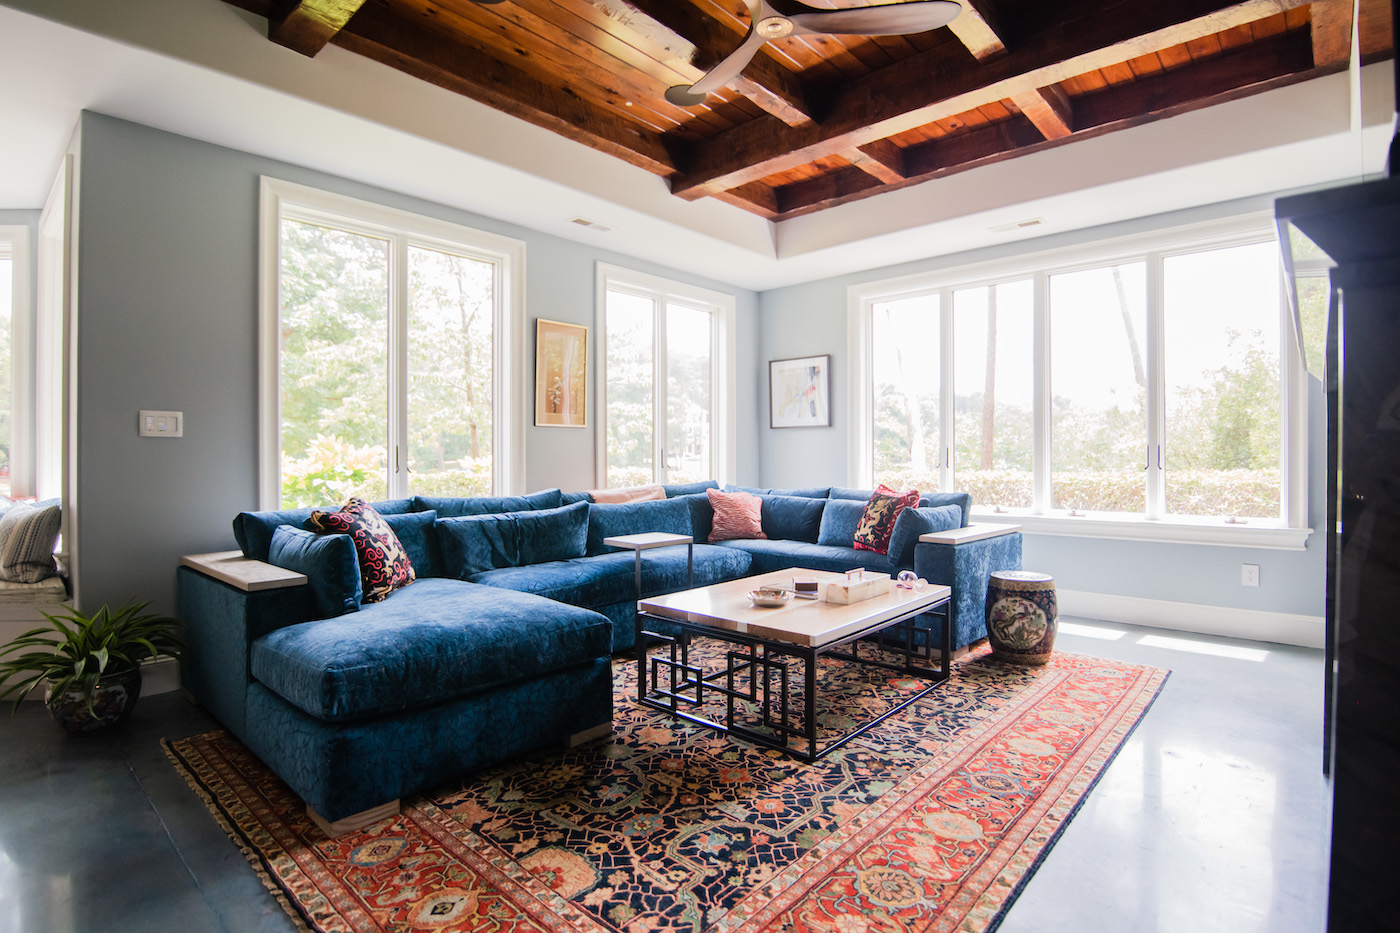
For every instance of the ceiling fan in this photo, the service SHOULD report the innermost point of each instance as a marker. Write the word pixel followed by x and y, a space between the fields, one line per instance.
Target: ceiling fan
pixel 767 22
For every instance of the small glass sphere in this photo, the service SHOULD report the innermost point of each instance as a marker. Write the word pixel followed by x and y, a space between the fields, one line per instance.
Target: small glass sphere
pixel 908 580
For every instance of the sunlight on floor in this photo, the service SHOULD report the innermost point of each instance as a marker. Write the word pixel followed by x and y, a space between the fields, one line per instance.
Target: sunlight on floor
pixel 1091 631
pixel 1237 652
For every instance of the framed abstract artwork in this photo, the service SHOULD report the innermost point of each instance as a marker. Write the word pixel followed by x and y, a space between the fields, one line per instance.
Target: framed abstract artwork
pixel 799 392
pixel 561 374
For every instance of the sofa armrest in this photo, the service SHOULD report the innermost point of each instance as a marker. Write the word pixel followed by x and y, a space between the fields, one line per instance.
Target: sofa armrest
pixel 976 531
pixel 223 616
pixel 964 558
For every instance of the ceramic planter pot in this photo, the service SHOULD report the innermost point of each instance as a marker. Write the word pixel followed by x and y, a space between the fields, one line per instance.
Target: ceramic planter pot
pixel 113 699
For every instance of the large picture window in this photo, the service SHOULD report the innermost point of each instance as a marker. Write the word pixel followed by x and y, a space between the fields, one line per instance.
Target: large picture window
pixel 668 406
pixel 1137 388
pixel 386 353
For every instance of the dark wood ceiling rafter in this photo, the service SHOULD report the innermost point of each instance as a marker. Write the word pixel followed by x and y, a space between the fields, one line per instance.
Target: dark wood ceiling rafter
pixel 378 33
pixel 306 26
pixel 1273 63
pixel 931 85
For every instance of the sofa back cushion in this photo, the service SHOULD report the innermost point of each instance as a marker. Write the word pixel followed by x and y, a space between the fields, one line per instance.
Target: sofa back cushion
pixel 805 492
pixel 473 544
pixel 416 533
pixel 253 530
pixel 793 518
pixel 452 506
pixel 962 500
pixel 688 489
pixel 606 520
pixel 329 563
pixel 839 521
pixel 919 521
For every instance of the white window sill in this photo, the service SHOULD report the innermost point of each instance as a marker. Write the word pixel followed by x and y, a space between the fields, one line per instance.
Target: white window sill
pixel 1255 533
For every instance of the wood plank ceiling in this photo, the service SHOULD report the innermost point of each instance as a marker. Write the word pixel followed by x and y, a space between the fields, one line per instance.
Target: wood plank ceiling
pixel 818 120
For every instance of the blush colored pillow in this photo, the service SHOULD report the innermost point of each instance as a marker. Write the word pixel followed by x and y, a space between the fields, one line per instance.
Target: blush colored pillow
pixel 384 564
pixel 881 512
pixel 737 515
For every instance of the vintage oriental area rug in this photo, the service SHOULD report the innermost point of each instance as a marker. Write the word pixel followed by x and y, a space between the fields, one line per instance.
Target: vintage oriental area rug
pixel 933 821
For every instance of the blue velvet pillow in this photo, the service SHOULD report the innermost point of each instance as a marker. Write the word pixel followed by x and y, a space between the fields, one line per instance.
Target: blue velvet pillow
pixel 688 489
pixel 961 500
pixel 919 521
pixel 449 507
pixel 843 492
pixel 473 544
pixel 569 498
pixel 702 514
pixel 839 521
pixel 253 530
pixel 330 565
pixel 419 539
pixel 792 518
pixel 606 519
pixel 805 492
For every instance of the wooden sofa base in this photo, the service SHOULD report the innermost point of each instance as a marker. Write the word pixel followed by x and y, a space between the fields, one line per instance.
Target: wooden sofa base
pixel 354 821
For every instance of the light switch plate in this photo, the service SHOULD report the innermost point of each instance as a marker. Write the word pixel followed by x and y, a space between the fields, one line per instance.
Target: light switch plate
pixel 161 423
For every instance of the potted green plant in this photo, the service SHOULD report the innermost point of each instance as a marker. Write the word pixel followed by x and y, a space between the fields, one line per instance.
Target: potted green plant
pixel 90 665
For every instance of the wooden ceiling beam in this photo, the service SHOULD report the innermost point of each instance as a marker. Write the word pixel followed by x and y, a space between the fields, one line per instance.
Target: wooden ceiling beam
pixel 1331 32
pixel 691 43
pixel 1272 63
pixel 1050 109
pixel 379 34
pixel 929 86
pixel 974 29
pixel 881 159
pixel 306 26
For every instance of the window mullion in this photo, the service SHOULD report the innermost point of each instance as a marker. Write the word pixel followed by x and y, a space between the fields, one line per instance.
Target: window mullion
pixel 660 370
pixel 1155 459
pixel 1041 498
pixel 947 397
pixel 398 368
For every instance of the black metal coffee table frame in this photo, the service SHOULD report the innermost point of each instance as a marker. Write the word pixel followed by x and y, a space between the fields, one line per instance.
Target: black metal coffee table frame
pixel 766 660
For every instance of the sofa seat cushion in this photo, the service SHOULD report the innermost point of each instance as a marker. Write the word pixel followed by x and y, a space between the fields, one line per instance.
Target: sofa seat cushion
pixel 780 555
pixel 426 643
pixel 611 578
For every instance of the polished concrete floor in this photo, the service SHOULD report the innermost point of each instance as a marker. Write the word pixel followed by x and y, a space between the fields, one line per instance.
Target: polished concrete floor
pixel 1213 816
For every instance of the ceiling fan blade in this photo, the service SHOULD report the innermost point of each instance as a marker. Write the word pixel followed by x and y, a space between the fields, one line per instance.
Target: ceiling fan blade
pixel 717 77
pixel 890 19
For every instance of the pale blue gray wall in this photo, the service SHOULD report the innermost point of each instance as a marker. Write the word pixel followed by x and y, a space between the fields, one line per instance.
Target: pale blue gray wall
pixel 168 319
pixel 810 319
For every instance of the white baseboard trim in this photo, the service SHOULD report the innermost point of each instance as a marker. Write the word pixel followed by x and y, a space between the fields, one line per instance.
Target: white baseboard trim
pixel 1256 625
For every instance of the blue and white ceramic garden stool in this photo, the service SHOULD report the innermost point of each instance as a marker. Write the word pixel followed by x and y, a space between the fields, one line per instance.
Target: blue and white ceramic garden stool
pixel 1022 616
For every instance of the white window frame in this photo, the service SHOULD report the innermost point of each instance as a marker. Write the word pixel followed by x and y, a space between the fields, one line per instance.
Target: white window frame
pixel 281 200
pixel 722 364
pixel 1288 531
pixel 14 246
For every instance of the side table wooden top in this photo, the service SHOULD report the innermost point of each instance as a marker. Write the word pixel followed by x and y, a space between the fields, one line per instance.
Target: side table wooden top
pixel 246 574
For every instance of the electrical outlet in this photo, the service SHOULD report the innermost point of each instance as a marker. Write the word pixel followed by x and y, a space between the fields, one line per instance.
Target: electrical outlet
pixel 1249 574
pixel 161 424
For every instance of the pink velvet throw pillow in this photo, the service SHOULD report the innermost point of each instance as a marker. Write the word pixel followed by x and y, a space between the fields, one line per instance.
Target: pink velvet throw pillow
pixel 881 512
pixel 737 515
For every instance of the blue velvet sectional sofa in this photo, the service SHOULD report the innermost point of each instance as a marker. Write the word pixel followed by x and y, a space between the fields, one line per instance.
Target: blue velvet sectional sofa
pixel 503 643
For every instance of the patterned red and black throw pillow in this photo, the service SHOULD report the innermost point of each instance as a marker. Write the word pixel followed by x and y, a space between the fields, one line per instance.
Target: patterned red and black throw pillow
pixel 384 565
pixel 737 515
pixel 877 524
